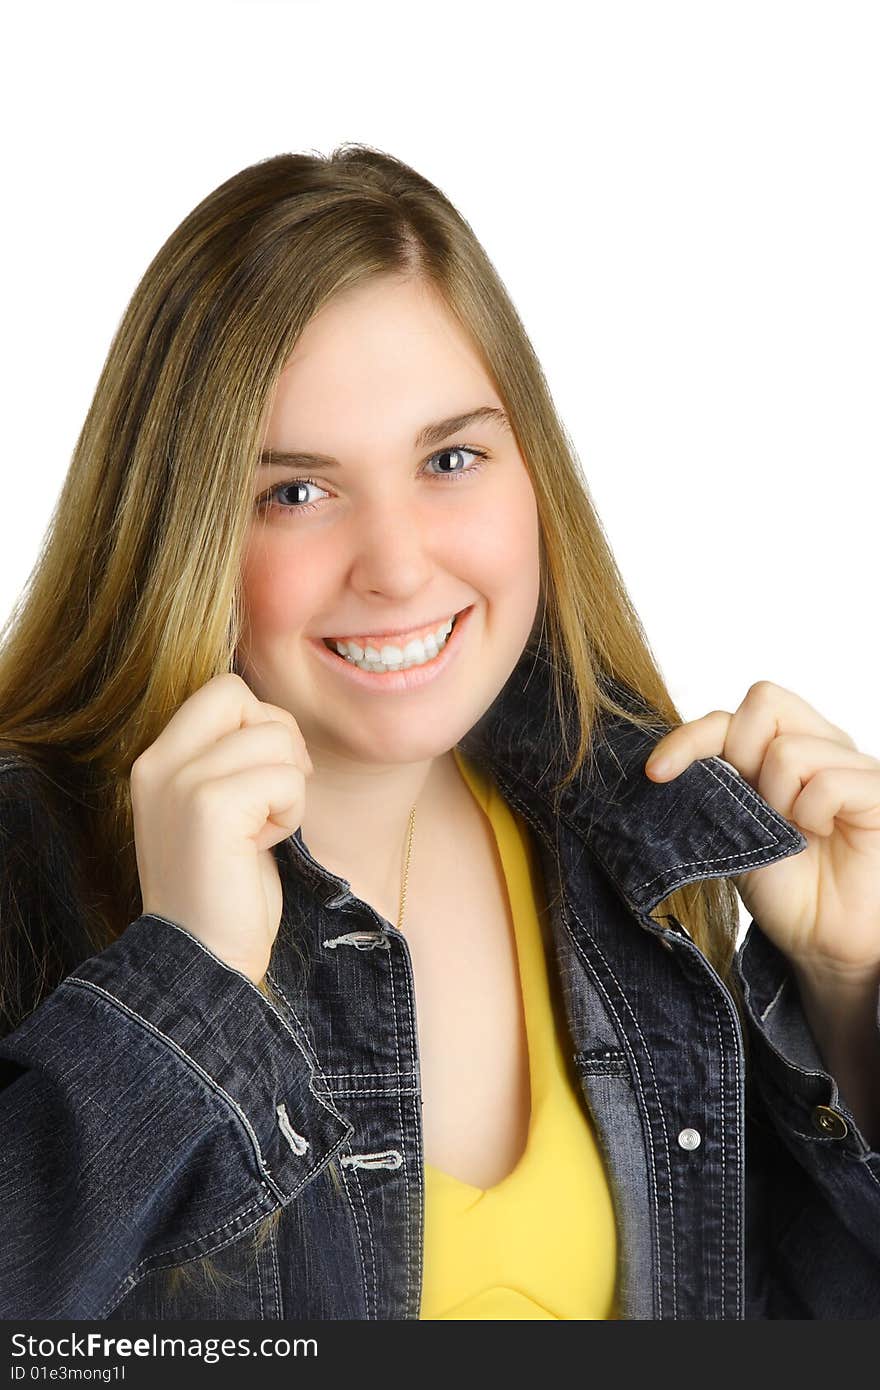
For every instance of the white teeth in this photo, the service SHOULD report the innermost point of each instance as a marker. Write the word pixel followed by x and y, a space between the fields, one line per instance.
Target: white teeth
pixel 392 658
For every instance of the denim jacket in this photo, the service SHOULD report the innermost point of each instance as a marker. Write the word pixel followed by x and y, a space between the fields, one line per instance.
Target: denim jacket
pixel 156 1107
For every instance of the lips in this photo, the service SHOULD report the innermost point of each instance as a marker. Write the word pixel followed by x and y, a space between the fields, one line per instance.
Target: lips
pixel 392 639
pixel 401 642
pixel 404 680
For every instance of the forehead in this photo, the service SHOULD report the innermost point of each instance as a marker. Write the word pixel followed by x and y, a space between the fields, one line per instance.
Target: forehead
pixel 383 360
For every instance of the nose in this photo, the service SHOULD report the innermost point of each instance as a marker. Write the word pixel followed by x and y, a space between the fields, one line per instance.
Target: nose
pixel 394 547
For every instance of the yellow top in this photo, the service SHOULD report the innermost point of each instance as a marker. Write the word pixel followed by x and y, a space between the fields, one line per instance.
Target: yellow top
pixel 542 1243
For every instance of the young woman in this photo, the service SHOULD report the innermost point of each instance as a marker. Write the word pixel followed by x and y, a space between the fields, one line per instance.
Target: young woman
pixel 353 963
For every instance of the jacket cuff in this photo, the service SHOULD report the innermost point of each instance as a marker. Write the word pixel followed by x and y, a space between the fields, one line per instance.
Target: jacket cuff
pixel 801 1096
pixel 154 1107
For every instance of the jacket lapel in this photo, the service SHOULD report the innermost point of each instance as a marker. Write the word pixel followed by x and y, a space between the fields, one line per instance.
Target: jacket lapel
pixel 650 837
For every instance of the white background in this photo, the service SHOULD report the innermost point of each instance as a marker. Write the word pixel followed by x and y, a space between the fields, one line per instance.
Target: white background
pixel 682 199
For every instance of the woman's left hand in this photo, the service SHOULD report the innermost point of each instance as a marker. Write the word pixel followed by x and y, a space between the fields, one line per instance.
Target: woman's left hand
pixel 821 907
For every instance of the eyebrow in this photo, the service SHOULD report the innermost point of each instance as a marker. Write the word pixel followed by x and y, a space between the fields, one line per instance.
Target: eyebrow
pixel 430 434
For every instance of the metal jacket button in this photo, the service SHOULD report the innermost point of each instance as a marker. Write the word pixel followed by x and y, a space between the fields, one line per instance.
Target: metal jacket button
pixel 829 1123
pixel 690 1139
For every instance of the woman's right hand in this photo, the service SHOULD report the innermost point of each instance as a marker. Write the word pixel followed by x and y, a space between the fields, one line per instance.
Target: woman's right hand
pixel 223 783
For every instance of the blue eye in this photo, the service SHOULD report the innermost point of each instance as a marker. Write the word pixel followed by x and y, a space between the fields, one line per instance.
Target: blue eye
pixel 267 502
pixel 457 449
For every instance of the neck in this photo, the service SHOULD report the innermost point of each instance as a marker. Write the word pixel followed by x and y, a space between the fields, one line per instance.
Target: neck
pixel 356 821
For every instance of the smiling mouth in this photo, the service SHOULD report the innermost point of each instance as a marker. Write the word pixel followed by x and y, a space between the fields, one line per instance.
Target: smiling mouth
pixel 422 652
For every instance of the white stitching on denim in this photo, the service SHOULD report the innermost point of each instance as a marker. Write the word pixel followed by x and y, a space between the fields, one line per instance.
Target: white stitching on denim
pixel 373 1269
pixel 135 1276
pixel 379 1091
pixel 276 1271
pixel 178 1050
pixel 564 902
pixel 723 1151
pixel 307 1050
pixel 773 1002
pixel 305 1043
pixel 771 824
pixel 740 1148
pixel 357 1231
pixel 740 1110
pixel 169 1250
pixel 775 820
pixel 652 1173
pixel 202 947
pixel 400 1122
pixel 739 1073
pixel 367 1075
pixel 728 861
pixel 747 994
pixel 332 1076
pixel 740 785
pixel 348 1194
pixel 297 1142
pixel 264 1000
pixel 208 952
pixel 662 1125
pixel 826 1142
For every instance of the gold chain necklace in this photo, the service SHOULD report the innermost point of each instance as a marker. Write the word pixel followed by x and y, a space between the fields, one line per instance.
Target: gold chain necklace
pixel 405 877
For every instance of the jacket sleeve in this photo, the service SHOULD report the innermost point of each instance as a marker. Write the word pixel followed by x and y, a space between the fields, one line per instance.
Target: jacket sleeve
pixel 814 1182
pixel 139 1108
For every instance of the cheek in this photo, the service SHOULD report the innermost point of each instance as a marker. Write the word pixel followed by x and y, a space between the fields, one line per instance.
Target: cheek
pixel 278 597
pixel 504 536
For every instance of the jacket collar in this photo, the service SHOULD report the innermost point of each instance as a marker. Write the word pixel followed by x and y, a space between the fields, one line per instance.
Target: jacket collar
pixel 649 837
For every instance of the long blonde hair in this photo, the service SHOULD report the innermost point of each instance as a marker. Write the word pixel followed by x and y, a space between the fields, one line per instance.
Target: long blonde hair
pixel 134 601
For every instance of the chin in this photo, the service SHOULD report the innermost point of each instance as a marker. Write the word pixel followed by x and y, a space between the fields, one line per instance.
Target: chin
pixel 398 747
